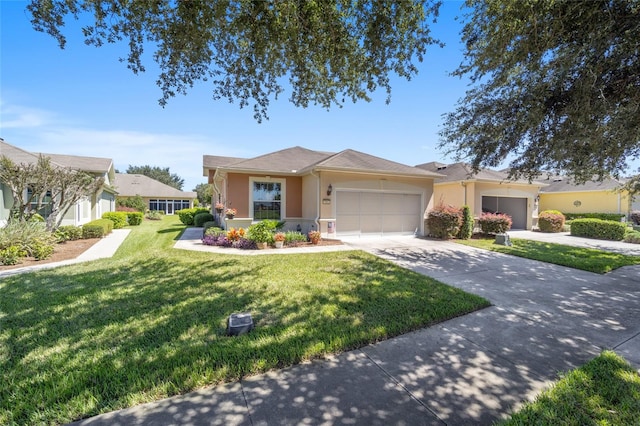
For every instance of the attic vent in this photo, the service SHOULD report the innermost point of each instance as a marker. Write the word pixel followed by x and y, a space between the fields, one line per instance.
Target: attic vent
pixel 442 167
pixel 557 180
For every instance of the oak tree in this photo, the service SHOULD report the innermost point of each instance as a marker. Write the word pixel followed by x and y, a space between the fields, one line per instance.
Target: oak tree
pixel 555 87
pixel 327 51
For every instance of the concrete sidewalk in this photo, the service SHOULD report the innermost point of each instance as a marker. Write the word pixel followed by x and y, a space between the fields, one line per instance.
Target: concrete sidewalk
pixel 104 248
pixel 475 369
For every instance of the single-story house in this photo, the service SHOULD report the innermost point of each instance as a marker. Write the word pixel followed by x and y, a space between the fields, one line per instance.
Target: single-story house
pixel 87 209
pixel 348 193
pixel 156 195
pixel 486 191
pixel 562 194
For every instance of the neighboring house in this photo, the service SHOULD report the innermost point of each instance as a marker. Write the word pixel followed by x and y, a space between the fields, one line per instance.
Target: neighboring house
pixel 339 194
pixel 486 191
pixel 156 195
pixel 89 208
pixel 591 197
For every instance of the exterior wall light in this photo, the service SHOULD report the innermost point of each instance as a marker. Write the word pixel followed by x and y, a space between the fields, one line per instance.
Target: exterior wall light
pixel 329 189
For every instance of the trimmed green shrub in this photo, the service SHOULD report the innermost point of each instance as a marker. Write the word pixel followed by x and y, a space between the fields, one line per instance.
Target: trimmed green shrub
pixel 97 228
pixel 187 215
pixel 494 223
pixel 602 216
pixel 68 233
pixel 136 203
pixel 632 237
pixel 134 218
pixel 11 255
pixel 119 219
pixel 551 221
pixel 444 221
pixel 201 218
pixel 599 229
pixel 466 228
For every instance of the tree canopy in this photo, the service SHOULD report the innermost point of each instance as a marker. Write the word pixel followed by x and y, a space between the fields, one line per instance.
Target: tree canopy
pixel 555 87
pixel 328 50
pixel 158 173
pixel 205 192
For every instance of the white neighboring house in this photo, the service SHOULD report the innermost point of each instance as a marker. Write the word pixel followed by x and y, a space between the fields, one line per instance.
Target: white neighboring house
pixel 156 195
pixel 87 209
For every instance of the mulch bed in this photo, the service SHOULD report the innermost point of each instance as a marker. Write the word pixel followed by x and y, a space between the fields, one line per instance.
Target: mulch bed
pixel 63 251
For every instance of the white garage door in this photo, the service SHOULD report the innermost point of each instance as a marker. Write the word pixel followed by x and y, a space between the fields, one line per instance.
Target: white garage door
pixel 377 213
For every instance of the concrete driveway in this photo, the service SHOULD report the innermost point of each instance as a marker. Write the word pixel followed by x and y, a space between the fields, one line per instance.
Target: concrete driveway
pixel 474 369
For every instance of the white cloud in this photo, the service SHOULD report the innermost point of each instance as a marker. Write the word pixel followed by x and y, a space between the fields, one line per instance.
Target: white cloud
pixel 35 130
pixel 14 116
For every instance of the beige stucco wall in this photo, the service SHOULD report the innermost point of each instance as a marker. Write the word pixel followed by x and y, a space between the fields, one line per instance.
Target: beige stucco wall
pixel 454 194
pixel 363 182
pixel 590 202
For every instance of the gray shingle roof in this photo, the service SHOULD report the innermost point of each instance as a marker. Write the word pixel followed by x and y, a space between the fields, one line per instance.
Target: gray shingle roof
pixel 17 155
pixel 87 164
pixel 130 185
pixel 350 160
pixel 214 161
pixel 299 160
pixel 565 184
pixel 462 171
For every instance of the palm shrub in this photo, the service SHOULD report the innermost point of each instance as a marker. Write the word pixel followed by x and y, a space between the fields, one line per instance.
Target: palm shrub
pixel 444 221
pixel 551 221
pixel 466 228
pixel 494 223
pixel 154 215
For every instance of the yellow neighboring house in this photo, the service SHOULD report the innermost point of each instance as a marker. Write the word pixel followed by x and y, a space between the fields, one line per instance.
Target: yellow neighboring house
pixel 590 197
pixel 486 191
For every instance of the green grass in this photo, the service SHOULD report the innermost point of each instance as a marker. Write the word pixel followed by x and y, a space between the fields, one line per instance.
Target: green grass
pixel 587 259
pixel 605 391
pixel 85 339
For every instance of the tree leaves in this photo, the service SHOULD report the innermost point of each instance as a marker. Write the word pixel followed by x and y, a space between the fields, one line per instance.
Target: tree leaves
pixel 328 51
pixel 556 87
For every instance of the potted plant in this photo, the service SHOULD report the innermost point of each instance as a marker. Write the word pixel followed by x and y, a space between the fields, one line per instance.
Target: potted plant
pixel 262 232
pixel 279 238
pixel 314 237
pixel 219 207
pixel 230 213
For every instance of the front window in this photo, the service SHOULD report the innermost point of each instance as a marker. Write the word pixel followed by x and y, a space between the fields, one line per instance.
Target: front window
pixel 267 200
pixel 45 209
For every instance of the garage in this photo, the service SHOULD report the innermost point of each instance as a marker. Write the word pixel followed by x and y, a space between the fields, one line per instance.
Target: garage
pixel 377 213
pixel 512 206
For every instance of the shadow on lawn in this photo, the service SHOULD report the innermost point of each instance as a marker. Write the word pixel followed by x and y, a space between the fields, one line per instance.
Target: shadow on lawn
pixel 106 335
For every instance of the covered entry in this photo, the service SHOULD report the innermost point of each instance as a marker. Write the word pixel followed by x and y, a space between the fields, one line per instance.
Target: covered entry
pixel 512 206
pixel 377 213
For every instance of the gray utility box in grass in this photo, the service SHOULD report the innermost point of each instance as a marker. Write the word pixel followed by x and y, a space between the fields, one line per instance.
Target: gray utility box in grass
pixel 239 323
pixel 503 240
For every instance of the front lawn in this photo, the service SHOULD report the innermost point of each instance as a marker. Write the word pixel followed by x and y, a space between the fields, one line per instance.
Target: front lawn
pixel 81 340
pixel 587 259
pixel 605 391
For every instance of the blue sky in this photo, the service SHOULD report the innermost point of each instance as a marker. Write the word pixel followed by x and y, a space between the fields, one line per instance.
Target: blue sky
pixel 83 101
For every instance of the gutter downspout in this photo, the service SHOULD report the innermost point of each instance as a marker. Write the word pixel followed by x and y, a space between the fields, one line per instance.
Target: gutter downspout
pixel 317 218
